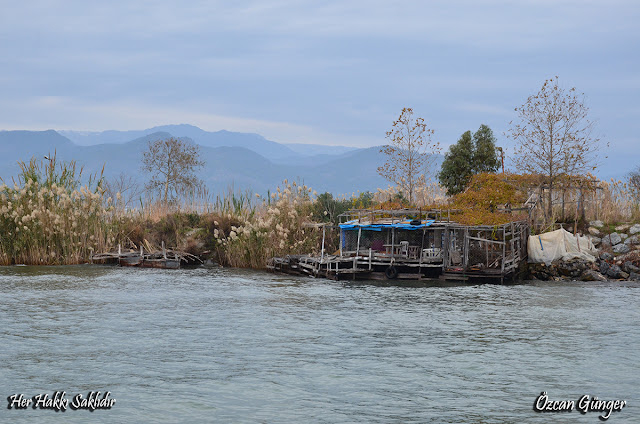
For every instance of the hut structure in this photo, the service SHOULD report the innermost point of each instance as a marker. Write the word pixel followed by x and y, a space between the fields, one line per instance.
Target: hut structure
pixel 415 244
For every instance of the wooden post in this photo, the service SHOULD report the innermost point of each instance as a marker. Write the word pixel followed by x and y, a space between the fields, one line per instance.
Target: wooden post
pixel 358 244
pixel 393 240
pixel 445 247
pixel 504 248
pixel 354 266
pixel 424 232
pixel 164 252
pixel 322 250
pixel 465 254
pixel 369 259
pixel 486 252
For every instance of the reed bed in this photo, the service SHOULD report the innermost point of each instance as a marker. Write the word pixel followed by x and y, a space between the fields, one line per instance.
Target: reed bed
pixel 275 228
pixel 616 202
pixel 49 217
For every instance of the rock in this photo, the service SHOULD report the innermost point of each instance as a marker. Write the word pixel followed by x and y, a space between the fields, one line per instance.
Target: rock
pixel 623 227
pixel 606 256
pixel 591 275
pixel 597 223
pixel 624 275
pixel 621 248
pixel 634 229
pixel 604 267
pixel 630 267
pixel 614 271
pixel 612 239
pixel 624 236
pixel 594 231
pixel 634 276
pixel 632 240
pixel 631 257
pixel 595 240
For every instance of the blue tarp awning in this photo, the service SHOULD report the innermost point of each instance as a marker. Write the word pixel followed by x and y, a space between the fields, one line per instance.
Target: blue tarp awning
pixel 402 225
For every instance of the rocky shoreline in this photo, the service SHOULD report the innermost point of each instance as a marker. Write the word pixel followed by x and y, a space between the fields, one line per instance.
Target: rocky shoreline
pixel 618 259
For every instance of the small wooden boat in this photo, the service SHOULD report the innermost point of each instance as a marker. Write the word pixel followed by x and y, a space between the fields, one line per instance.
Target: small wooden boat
pixel 151 258
pixel 161 263
pixel 130 260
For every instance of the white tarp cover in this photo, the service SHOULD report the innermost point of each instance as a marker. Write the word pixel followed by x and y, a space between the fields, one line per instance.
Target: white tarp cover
pixel 560 244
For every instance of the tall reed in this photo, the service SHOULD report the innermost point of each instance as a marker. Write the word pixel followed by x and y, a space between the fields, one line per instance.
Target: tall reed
pixel 50 217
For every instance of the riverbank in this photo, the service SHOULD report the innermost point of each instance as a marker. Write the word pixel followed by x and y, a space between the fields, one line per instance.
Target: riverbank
pixel 618 257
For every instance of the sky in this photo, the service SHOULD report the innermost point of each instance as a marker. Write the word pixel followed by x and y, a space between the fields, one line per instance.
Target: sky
pixel 325 72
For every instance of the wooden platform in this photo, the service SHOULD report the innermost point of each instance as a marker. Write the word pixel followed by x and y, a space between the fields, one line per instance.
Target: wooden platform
pixel 395 248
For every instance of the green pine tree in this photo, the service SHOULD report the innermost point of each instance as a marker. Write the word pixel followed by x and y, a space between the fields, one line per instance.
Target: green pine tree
pixel 469 156
pixel 457 167
pixel 485 158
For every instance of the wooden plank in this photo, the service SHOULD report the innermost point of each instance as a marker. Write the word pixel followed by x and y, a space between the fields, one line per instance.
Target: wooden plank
pixel 486 240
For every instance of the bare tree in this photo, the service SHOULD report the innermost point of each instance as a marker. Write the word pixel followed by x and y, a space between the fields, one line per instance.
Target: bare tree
pixel 410 153
pixel 172 164
pixel 634 183
pixel 553 136
pixel 123 190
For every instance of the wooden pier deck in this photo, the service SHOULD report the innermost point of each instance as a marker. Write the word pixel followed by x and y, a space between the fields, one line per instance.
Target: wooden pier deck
pixel 415 250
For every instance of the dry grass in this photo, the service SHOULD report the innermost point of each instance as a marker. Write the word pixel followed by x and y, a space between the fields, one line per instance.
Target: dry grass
pixel 48 217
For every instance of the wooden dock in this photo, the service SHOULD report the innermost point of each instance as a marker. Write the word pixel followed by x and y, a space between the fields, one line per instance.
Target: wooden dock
pixel 399 248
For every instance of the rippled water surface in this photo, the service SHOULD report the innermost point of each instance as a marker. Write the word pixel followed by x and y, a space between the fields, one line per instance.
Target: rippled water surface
pixel 248 347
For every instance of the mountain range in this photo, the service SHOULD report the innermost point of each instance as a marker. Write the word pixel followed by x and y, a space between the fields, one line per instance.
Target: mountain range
pixel 240 161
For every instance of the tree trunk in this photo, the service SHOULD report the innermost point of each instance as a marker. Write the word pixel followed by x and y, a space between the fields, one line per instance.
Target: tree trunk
pixel 549 199
pixel 166 191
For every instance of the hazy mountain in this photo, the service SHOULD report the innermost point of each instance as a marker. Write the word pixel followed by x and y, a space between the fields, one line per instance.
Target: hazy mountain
pixel 22 145
pixel 233 165
pixel 225 166
pixel 254 142
pixel 318 149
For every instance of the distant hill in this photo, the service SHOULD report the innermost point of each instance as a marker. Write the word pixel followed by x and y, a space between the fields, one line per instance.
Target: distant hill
pixel 22 145
pixel 318 149
pixel 227 166
pixel 255 142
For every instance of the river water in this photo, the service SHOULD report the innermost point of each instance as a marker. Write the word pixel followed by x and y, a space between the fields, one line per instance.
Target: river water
pixel 220 345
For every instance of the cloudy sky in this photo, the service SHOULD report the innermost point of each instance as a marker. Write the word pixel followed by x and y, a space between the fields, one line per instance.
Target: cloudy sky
pixel 314 71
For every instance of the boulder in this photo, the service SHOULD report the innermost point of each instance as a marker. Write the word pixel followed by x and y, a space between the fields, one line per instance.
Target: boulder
pixel 604 267
pixel 594 231
pixel 591 275
pixel 634 229
pixel 596 223
pixel 614 271
pixel 606 256
pixel 631 240
pixel 630 267
pixel 621 249
pixel 624 236
pixel 595 240
pixel 623 227
pixel 634 276
pixel 624 275
pixel 612 239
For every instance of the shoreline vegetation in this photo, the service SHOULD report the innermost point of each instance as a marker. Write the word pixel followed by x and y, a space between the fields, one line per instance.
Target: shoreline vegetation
pixel 49 217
